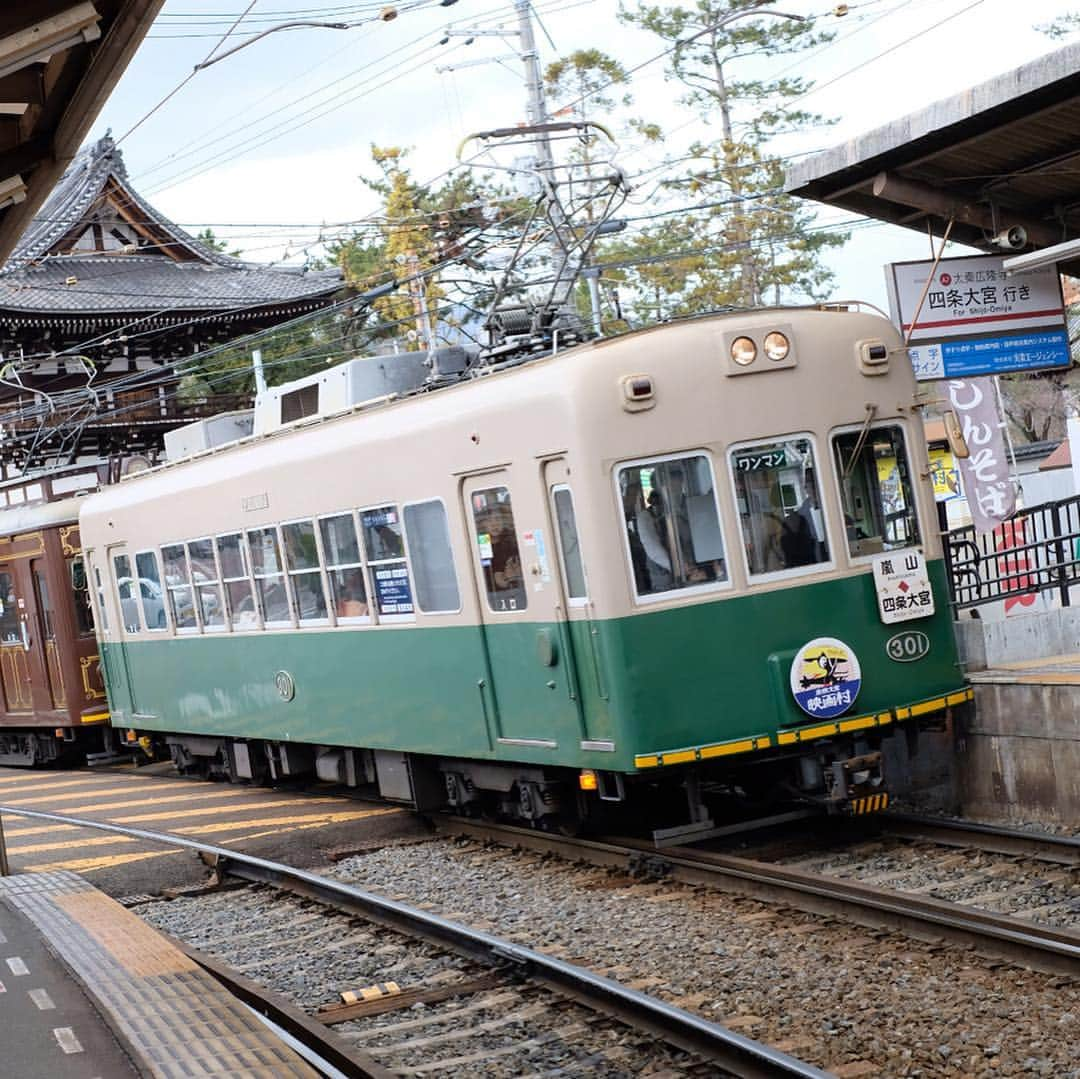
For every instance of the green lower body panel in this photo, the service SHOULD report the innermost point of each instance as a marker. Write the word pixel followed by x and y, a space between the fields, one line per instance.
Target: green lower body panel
pixel 600 694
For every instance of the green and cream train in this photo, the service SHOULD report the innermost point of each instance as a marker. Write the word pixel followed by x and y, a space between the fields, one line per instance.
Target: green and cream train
pixel 658 569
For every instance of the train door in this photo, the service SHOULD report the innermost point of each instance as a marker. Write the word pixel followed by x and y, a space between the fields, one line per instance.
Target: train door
pixel 575 621
pixel 15 672
pixel 529 690
pixel 52 690
pixel 119 575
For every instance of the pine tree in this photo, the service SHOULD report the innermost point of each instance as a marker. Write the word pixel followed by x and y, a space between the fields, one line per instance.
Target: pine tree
pixel 763 242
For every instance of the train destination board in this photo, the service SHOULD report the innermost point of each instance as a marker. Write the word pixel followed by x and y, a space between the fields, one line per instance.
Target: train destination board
pixel 902 586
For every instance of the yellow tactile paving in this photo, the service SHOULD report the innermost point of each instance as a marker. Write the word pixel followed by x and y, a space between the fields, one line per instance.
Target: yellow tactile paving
pixel 1061 670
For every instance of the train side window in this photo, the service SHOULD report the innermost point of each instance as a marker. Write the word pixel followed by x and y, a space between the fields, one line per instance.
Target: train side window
pixel 151 596
pixel 128 593
pixel 344 571
pixel 178 586
pixel 305 573
pixel 384 545
pixel 237 581
pixel 875 490
pixel 80 596
pixel 204 578
pixel 497 545
pixel 269 576
pixel 432 557
pixel 10 631
pixel 672 525
pixel 569 545
pixel 779 500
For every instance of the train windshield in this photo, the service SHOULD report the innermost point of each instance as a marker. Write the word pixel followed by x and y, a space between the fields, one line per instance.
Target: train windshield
pixel 779 503
pixel 876 491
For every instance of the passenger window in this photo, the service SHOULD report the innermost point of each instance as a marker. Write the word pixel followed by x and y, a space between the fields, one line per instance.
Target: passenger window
pixel 239 598
pixel 496 542
pixel 385 550
pixel 80 595
pixel 432 558
pixel 672 525
pixel 875 490
pixel 341 551
pixel 779 501
pixel 569 547
pixel 151 597
pixel 178 586
pixel 269 577
pixel 126 590
pixel 10 632
pixel 305 574
pixel 204 577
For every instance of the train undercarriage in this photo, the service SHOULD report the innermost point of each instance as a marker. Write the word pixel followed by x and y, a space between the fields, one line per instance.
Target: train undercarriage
pixel 840 775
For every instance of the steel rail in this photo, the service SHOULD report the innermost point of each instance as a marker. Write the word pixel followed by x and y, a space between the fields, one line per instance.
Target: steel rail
pixel 742 1056
pixel 1040 947
pixel 996 839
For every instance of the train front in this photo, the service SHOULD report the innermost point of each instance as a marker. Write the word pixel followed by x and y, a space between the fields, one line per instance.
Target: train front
pixel 789 612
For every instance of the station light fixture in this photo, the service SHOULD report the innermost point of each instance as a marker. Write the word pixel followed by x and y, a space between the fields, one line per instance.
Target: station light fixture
pixel 1045 256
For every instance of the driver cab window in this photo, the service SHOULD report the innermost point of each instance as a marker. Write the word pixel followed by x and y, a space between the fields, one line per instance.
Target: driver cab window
pixel 875 490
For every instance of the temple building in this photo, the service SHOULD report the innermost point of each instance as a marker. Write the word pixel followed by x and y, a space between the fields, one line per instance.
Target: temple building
pixel 101 300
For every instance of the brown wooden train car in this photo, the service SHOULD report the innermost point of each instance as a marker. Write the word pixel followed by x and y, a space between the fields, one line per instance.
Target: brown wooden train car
pixel 52 695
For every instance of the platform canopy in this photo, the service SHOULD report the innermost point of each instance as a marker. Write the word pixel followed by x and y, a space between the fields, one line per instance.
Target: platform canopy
pixel 1002 154
pixel 59 61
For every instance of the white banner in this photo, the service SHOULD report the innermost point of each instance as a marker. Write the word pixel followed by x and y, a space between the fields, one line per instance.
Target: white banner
pixel 989 491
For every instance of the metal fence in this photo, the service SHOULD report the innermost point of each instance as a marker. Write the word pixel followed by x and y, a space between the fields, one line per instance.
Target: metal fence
pixel 1037 550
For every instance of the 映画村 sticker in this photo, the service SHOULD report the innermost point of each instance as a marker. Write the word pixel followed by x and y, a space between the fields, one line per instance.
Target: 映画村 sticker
pixel 825 677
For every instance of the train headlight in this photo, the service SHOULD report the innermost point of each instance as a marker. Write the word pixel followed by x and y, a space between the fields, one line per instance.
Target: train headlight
pixel 777 346
pixel 743 351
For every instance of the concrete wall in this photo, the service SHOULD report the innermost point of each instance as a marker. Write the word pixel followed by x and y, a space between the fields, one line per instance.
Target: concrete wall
pixel 1018 757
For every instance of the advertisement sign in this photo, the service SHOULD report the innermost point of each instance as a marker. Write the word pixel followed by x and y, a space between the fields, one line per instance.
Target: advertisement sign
pixel 990 493
pixel 825 677
pixel 944 474
pixel 971 297
pixel 991 355
pixel 903 587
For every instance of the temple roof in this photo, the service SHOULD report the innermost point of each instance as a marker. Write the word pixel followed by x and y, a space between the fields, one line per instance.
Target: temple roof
pixel 96 247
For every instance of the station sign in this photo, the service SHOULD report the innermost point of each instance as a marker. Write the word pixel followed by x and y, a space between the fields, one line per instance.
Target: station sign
pixel 1038 351
pixel 975 319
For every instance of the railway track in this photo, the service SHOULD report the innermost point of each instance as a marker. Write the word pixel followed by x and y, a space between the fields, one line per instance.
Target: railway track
pixel 502 987
pixel 1036 946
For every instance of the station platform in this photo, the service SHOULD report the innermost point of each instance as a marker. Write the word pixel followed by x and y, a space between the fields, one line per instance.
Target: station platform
pixel 90 991
pixel 1063 670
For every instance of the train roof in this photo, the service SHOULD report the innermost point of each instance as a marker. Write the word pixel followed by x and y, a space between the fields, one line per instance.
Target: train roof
pixel 554 387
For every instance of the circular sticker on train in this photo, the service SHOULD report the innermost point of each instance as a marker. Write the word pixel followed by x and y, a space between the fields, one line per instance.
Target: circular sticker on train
pixel 825 677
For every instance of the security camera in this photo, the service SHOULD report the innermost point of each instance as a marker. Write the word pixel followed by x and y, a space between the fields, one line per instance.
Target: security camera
pixel 1011 239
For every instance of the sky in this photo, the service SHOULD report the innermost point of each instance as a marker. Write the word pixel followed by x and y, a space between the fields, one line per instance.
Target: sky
pixel 267 146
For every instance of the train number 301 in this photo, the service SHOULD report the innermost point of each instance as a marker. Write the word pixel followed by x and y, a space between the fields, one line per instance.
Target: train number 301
pixel 908 646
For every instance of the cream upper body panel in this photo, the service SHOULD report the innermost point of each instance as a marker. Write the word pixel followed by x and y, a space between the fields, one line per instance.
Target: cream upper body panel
pixel 568 406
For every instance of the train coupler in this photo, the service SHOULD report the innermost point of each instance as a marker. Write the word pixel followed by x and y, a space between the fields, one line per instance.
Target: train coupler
pixel 857 785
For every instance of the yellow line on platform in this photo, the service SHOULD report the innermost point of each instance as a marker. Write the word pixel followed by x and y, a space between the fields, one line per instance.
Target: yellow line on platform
pixel 97 841
pixel 87 865
pixel 312 821
pixel 198 796
pixel 37 782
pixel 177 790
pixel 235 807
pixel 38 829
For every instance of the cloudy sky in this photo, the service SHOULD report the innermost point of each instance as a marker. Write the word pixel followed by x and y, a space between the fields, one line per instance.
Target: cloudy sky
pixel 267 146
